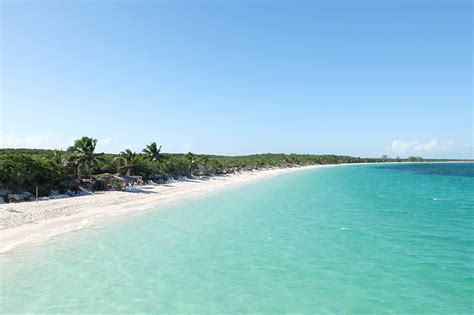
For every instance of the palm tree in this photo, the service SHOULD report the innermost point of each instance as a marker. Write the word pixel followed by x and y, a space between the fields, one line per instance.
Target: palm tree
pixel 128 160
pixel 152 152
pixel 84 156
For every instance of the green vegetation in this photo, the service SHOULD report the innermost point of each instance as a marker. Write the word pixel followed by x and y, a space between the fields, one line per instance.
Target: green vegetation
pixel 415 159
pixel 83 155
pixel 128 161
pixel 21 170
pixel 152 152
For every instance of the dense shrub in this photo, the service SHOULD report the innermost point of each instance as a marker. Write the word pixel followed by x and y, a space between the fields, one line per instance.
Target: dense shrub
pixel 22 172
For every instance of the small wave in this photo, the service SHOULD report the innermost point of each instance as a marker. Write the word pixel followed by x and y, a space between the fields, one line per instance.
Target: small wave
pixel 44 235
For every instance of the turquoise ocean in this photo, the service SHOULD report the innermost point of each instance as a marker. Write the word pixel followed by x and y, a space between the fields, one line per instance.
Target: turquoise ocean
pixel 387 238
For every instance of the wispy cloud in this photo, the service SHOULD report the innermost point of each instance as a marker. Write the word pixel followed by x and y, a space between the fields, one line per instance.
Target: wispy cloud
pixel 417 147
pixel 11 140
pixel 105 144
pixel 106 141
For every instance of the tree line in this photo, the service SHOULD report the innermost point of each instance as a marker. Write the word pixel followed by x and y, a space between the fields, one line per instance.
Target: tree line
pixel 26 169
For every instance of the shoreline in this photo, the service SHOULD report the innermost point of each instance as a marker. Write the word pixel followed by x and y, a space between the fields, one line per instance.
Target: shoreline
pixel 35 222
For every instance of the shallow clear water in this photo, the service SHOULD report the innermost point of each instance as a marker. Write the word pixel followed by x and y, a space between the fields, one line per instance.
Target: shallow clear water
pixel 351 239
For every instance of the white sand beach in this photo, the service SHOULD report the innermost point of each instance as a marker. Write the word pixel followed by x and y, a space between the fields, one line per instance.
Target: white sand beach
pixel 30 222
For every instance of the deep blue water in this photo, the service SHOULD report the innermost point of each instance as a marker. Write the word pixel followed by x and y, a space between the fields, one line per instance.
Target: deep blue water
pixel 448 169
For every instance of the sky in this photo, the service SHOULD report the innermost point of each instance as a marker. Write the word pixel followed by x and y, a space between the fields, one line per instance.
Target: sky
pixel 361 78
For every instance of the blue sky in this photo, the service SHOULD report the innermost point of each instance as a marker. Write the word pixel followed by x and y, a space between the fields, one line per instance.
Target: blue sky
pixel 361 78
